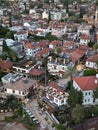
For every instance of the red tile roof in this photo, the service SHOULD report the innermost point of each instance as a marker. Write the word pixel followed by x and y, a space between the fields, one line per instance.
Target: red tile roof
pixel 93 58
pixel 36 72
pixel 5 64
pixel 56 86
pixel 86 83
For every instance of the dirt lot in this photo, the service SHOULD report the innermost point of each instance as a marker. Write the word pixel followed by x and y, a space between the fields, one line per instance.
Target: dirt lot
pixel 11 126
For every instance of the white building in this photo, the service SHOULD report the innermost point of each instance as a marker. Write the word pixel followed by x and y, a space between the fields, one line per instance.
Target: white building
pixel 84 39
pixel 56 94
pixel 31 50
pixel 91 62
pixel 86 85
pixel 45 14
pixel 84 29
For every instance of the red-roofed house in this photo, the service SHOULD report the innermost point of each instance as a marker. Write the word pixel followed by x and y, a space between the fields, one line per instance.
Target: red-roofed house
pixel 31 50
pixel 91 62
pixel 5 66
pixel 87 85
pixel 36 73
pixel 84 39
pixel 56 94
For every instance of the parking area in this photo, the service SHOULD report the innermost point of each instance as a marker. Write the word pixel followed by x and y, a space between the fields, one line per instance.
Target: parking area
pixel 40 116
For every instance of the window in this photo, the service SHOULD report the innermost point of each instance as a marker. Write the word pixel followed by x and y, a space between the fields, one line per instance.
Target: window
pixel 19 92
pixel 85 100
pixel 13 91
pixel 86 93
pixel 89 93
pixel 62 101
pixel 88 100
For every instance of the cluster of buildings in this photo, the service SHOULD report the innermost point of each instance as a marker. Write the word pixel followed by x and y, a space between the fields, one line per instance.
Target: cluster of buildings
pixel 23 76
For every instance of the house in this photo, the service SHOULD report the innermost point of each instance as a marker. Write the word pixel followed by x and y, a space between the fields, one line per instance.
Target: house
pixel 21 35
pixel 19 87
pixel 86 84
pixel 45 14
pixel 84 39
pixel 9 77
pixel 55 44
pixel 6 66
pixel 92 62
pixel 84 29
pixel 36 74
pixel 56 14
pixel 24 66
pixel 44 52
pixel 58 28
pixel 57 65
pixel 56 94
pixel 31 49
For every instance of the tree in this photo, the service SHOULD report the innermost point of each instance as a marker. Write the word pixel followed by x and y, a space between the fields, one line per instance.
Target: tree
pixel 95 46
pixel 95 110
pixel 63 118
pixel 95 92
pixel 82 12
pixel 60 127
pixel 58 50
pixel 10 21
pixel 75 97
pixel 12 102
pixel 49 17
pixel 89 72
pixel 5 47
pixel 10 35
pixel 78 113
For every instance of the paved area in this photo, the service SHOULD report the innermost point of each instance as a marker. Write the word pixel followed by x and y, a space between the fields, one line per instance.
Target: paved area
pixel 33 106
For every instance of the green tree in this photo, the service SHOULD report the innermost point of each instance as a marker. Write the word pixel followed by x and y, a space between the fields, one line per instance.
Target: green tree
pixel 12 102
pixel 95 92
pixel 82 12
pixel 10 21
pixel 60 127
pixel 75 97
pixel 78 113
pixel 89 72
pixel 5 47
pixel 49 17
pixel 95 46
pixel 10 35
pixel 95 110
pixel 63 118
pixel 12 55
pixel 58 50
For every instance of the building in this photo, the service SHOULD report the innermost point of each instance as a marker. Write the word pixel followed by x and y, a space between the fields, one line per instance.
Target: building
pixel 6 66
pixel 19 87
pixel 56 94
pixel 91 62
pixel 86 85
